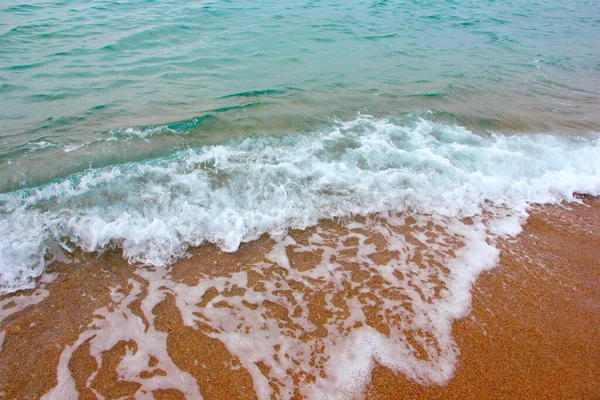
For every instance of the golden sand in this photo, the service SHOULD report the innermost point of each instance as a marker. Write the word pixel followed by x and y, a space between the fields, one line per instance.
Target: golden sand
pixel 534 327
pixel 532 332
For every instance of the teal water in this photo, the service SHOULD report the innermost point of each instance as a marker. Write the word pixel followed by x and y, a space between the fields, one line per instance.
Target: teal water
pixel 105 102
pixel 76 73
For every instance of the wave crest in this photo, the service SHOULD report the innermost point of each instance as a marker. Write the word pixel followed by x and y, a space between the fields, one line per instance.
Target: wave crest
pixel 227 194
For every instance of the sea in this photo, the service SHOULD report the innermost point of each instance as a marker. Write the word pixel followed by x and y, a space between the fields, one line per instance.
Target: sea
pixel 156 128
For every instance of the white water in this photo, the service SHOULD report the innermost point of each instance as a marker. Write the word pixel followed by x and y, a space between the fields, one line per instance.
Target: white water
pixel 228 194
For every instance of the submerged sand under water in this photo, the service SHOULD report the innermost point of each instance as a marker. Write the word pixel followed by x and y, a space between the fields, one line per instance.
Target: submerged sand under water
pixel 377 307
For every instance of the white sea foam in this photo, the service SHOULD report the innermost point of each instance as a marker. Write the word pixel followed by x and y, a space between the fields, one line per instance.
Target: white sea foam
pixel 416 293
pixel 108 329
pixel 231 193
pixel 42 144
pixel 15 304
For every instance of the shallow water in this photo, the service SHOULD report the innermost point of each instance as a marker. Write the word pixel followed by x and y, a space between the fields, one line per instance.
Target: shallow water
pixel 77 78
pixel 155 126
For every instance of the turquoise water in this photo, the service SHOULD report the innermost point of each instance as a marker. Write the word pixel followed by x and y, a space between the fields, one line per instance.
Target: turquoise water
pixel 105 102
pixel 76 73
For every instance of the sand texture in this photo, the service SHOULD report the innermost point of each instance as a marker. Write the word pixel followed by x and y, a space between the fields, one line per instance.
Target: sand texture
pixel 532 330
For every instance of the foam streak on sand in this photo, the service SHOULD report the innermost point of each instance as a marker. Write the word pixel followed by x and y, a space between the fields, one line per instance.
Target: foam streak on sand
pixel 316 313
pixel 121 324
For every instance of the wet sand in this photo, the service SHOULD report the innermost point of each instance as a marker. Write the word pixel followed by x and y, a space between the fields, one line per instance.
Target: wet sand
pixel 532 332
pixel 535 321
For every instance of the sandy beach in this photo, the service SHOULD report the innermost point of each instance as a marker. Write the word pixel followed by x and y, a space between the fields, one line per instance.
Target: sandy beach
pixel 299 200
pixel 531 333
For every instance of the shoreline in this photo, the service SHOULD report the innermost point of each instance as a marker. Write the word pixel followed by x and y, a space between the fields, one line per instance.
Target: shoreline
pixel 534 322
pixel 530 332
